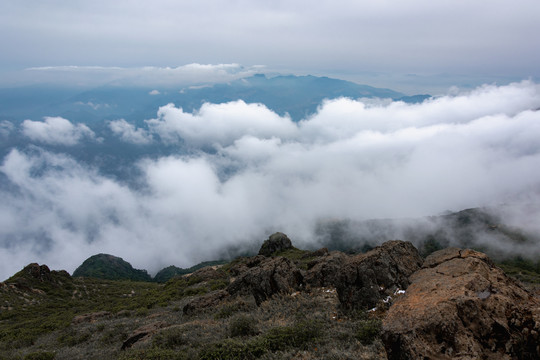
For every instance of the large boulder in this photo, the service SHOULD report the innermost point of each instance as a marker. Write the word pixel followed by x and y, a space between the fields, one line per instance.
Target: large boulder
pixel 461 306
pixel 275 243
pixel 366 279
pixel 268 277
pixel 325 270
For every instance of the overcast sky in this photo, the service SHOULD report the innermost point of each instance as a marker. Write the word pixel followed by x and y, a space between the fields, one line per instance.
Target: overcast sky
pixel 353 39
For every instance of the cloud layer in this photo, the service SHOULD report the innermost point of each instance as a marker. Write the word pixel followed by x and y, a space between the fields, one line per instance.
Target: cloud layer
pixel 342 36
pixel 250 172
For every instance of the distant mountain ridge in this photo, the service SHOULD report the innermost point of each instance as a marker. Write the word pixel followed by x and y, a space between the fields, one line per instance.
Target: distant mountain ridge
pixel 299 96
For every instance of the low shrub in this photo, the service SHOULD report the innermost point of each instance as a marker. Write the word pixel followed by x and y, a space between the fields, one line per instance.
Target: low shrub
pixel 232 349
pixel 154 354
pixel 42 355
pixel 368 331
pixel 169 339
pixel 300 335
pixel 242 326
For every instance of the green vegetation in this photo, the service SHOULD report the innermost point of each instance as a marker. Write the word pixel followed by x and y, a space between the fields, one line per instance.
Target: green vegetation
pixel 368 331
pixel 103 266
pixel 523 269
pixel 242 326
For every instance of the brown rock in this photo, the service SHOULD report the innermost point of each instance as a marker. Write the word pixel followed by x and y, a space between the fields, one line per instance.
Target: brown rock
pixel 271 276
pixel 208 273
pixel 205 301
pixel 368 278
pixel 460 306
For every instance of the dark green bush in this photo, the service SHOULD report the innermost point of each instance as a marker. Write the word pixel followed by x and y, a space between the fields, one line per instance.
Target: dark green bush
pixel 169 339
pixel 154 354
pixel 40 356
pixel 242 326
pixel 299 335
pixel 71 338
pixel 368 331
pixel 231 349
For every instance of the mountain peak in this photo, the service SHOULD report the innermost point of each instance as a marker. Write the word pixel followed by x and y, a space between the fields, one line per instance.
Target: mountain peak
pixel 106 266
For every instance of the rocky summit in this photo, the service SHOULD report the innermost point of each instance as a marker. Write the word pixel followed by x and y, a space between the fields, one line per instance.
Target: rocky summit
pixel 461 306
pixel 386 303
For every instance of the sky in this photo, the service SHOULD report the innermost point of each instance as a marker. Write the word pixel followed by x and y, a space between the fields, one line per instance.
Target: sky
pixel 250 171
pixel 390 43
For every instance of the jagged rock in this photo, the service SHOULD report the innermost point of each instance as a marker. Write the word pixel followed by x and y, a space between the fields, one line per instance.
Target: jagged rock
pixel 205 301
pixel 325 270
pixel 208 273
pixel 276 242
pixel 142 333
pixel 244 264
pixel 460 306
pixel 270 276
pixel 368 278
pixel 39 278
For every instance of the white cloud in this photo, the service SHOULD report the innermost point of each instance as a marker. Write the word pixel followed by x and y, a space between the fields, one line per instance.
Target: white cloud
pixel 56 131
pixel 219 123
pixel 154 92
pixel 128 133
pixel 266 173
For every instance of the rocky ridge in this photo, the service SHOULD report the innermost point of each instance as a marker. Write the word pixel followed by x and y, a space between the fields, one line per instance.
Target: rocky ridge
pixel 454 304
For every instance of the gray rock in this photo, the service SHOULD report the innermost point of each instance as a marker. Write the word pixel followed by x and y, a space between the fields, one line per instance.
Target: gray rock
pixel 368 278
pixel 269 277
pixel 276 242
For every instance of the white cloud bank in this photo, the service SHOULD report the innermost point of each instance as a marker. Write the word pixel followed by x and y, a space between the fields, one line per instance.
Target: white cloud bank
pixel 56 131
pixel 266 173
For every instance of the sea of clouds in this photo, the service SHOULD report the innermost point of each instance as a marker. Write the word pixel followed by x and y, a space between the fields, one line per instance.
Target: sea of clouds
pixel 250 172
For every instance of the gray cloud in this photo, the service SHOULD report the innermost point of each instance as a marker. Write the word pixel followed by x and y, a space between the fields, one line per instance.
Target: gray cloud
pixel 56 131
pixel 351 160
pixel 419 36
pixel 6 127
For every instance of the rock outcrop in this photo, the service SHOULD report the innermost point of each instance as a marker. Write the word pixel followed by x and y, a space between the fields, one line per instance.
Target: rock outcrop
pixel 268 277
pixel 325 270
pixel 368 278
pixel 205 301
pixel 35 276
pixel 276 242
pixel 461 306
